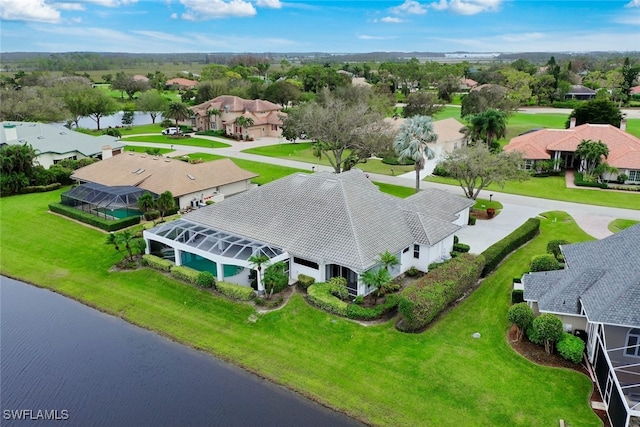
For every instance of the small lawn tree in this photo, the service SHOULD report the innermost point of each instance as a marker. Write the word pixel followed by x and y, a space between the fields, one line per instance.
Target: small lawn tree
pixel 259 261
pixel 520 315
pixel 548 329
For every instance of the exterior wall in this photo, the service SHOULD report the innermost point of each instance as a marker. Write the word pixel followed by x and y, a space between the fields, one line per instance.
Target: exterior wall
pixel 615 338
pixel 213 194
pixel 463 218
pixel 571 323
pixel 633 174
pixel 297 269
pixel 46 160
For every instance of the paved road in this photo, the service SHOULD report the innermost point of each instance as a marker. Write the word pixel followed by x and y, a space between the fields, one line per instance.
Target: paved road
pixel 516 209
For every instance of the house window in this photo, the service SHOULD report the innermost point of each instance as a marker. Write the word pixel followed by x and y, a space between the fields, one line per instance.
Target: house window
pixel 405 250
pixel 528 164
pixel 633 343
pixel 306 263
pixel 416 251
pixel 274 127
pixel 634 175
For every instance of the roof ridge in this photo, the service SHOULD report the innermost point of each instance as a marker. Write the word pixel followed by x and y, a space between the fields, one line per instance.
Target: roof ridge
pixel 351 224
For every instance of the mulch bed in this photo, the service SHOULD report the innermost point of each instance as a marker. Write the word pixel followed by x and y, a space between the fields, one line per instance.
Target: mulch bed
pixel 536 354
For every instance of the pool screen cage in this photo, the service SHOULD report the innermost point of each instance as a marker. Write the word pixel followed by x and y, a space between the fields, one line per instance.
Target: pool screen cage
pixel 103 201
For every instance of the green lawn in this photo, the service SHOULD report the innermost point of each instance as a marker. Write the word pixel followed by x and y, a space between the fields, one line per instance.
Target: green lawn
pixel 164 139
pixel 139 149
pixel 620 224
pixel 137 129
pixel 441 377
pixel 554 188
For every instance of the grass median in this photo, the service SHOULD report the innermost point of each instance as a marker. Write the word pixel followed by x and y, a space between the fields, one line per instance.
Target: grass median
pixel 441 377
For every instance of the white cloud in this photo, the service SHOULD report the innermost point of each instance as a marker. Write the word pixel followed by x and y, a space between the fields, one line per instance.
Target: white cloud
pixel 468 7
pixel 368 37
pixel 174 15
pixel 409 7
pixel 28 10
pixel 633 3
pixel 166 37
pixel 76 20
pixel 392 20
pixel 272 4
pixel 67 6
pixel 199 10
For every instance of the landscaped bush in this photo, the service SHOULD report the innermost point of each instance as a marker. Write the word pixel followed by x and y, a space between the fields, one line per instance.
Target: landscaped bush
pixel 546 262
pixel 358 300
pixel 205 279
pixel 93 220
pixel 440 171
pixel 275 278
pixel 185 273
pixel 412 272
pixel 237 292
pixel 580 182
pixel 319 294
pixel 166 123
pixel 553 247
pixel 517 296
pixel 461 247
pixel 548 330
pixel 472 220
pixel 520 315
pixel 151 215
pixel 305 281
pixel 497 252
pixel 338 287
pixel 422 301
pixel 355 311
pixel 40 188
pixel 157 263
pixel 394 161
pixel 570 348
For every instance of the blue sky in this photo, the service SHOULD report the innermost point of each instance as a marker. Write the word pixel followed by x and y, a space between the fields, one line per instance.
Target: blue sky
pixel 157 26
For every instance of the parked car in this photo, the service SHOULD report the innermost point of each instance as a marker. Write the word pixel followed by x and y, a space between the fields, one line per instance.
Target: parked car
pixel 171 131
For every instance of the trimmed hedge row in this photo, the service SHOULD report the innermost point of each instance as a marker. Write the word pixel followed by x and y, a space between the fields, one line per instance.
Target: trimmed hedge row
pixel 319 294
pixel 233 291
pixel 578 179
pixel 421 302
pixel 187 274
pixel 355 311
pixel 40 188
pixel 305 281
pixel 87 218
pixel 495 253
pixel 157 263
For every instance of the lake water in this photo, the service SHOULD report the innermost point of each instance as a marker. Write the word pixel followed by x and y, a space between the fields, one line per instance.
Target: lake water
pixel 86 368
pixel 116 120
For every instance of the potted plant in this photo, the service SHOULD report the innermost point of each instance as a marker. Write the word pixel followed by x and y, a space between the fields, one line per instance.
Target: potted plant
pixel 491 212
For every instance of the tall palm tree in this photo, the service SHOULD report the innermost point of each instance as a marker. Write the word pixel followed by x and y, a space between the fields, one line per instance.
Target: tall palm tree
pixel 376 278
pixel 490 125
pixel 211 112
pixel 591 153
pixel 146 202
pixel 177 111
pixel 412 142
pixel 388 260
pixel 165 203
pixel 244 122
pixel 258 261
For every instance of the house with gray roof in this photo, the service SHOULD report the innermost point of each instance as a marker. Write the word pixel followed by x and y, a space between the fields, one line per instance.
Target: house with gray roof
pixel 322 225
pixel 54 143
pixel 598 293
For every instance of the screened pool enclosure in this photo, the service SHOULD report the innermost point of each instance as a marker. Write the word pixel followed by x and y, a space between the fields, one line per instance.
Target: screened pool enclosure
pixel 107 202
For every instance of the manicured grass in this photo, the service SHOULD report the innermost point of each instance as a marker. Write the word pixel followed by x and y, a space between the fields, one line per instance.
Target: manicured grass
pixel 396 190
pixel 554 188
pixel 138 149
pixel 137 129
pixel 164 139
pixel 620 224
pixel 204 157
pixel 486 204
pixel 441 377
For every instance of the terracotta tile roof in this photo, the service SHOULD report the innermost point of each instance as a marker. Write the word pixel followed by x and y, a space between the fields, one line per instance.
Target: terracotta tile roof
pixel 181 82
pixel 158 174
pixel 624 148
pixel 235 104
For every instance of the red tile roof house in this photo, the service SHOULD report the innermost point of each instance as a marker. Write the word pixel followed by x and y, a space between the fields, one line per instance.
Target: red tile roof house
pixel 266 116
pixel 561 144
pixel 181 83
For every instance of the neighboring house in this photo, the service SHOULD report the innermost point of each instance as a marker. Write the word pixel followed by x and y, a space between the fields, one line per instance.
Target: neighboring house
pixel 55 143
pixel 181 83
pixel 322 225
pixel 466 84
pixel 560 145
pixel 579 92
pixel 635 90
pixel 191 184
pixel 222 112
pixel 599 292
pixel 141 78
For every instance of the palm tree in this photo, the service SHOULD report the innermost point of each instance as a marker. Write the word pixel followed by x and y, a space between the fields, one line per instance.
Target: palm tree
pixel 125 238
pixel 412 142
pixel 258 261
pixel 146 202
pixel 489 125
pixel 591 153
pixel 244 122
pixel 165 203
pixel 376 278
pixel 388 260
pixel 211 112
pixel 177 111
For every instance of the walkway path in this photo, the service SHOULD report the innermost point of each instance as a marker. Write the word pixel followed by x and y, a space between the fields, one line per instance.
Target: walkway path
pixel 516 209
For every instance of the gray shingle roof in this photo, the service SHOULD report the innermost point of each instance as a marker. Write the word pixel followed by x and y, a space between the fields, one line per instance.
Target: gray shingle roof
pixel 436 203
pixel 48 138
pixel 323 217
pixel 603 275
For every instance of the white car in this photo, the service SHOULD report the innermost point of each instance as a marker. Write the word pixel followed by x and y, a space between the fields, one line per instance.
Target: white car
pixel 171 131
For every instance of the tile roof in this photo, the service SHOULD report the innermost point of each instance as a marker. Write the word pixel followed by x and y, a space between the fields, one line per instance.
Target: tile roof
pixel 158 174
pixel 624 148
pixel 602 275
pixel 180 81
pixel 324 217
pixel 235 104
pixel 580 90
pixel 48 138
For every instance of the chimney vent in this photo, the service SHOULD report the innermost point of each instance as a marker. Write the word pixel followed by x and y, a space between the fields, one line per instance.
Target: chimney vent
pixel 572 123
pixel 10 132
pixel 107 153
pixel 623 125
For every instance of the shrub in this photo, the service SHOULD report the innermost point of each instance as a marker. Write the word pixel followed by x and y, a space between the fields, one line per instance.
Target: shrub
pixel 517 296
pixel 520 315
pixel 422 301
pixel 205 279
pixel 151 215
pixel 305 281
pixel 472 220
pixel 275 278
pixel 495 253
pixel 456 240
pixel 553 247
pixel 185 273
pixel 580 182
pixel 338 287
pixel 87 218
pixel 461 247
pixel 571 348
pixel 358 300
pixel 546 262
pixel 237 292
pixel 622 178
pixel 548 329
pixel 166 123
pixel 319 294
pixel 157 263
pixel 394 161
pixel 439 170
pixel 40 188
pixel 412 272
pixel 355 311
